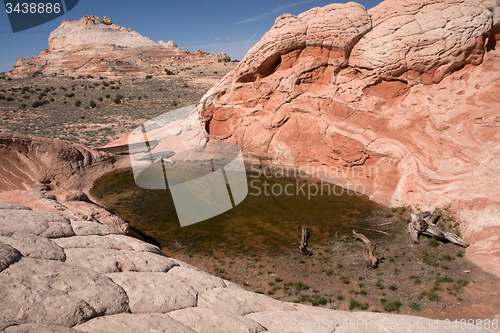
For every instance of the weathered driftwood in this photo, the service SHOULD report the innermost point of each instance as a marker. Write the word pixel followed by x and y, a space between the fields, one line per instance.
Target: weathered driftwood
pixel 368 251
pixel 303 242
pixel 425 223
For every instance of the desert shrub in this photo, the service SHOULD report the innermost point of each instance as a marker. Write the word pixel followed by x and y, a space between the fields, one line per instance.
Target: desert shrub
pixel 392 306
pixel 119 96
pixel 117 101
pixel 107 95
pixel 8 99
pixel 414 306
pixel 149 77
pixel 169 72
pixel 39 103
pixel 2 97
pixel 70 95
pixel 93 104
pixel 78 103
pixel 353 304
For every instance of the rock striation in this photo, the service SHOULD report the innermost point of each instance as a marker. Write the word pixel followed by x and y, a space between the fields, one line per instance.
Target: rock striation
pixel 397 102
pixel 60 281
pixel 93 45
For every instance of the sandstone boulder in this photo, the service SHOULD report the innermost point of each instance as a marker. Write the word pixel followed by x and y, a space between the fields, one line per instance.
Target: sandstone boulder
pixel 109 261
pixel 8 255
pixel 34 247
pixel 35 222
pixel 53 292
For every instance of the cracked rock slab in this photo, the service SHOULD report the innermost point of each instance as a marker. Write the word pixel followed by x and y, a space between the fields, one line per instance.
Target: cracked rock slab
pixel 209 320
pixel 35 222
pixel 35 247
pixel 134 323
pixel 155 292
pixel 38 328
pixel 110 261
pixel 240 302
pixel 84 228
pixel 8 255
pixel 53 292
pixel 110 241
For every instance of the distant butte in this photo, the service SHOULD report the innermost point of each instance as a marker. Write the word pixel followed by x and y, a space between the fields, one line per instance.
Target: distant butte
pixel 94 45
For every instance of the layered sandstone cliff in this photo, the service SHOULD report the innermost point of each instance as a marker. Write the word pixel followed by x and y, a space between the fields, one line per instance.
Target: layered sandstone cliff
pixel 399 102
pixel 97 46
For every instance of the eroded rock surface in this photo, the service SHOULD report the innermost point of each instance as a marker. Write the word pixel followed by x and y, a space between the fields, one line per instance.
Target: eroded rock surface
pixel 397 102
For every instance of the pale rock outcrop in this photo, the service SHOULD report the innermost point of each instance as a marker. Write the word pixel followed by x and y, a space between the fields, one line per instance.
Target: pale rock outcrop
pixel 13 327
pixel 398 102
pixel 53 292
pixel 230 300
pixel 93 45
pixel 8 255
pixel 133 323
pixel 35 247
pixel 205 320
pixel 35 222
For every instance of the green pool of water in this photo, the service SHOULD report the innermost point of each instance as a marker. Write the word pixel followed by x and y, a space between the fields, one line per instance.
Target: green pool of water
pixel 259 224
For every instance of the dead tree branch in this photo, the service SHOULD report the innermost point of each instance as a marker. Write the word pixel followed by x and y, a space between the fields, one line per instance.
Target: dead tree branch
pixel 368 251
pixel 425 223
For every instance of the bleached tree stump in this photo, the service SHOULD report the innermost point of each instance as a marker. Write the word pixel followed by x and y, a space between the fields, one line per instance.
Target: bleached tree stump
pixel 426 223
pixel 303 242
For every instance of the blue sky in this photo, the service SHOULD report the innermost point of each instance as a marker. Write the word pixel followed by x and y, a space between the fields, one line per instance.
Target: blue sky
pixel 212 26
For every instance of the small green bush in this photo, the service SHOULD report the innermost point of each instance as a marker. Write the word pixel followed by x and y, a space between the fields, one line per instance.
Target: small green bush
pixel 93 104
pixel 414 306
pixel 100 99
pixel 169 72
pixel 107 95
pixel 433 242
pixel 353 304
pixel 78 103
pixel 460 254
pixel 8 99
pixel 70 95
pixel 392 306
pixel 117 101
pixel 149 77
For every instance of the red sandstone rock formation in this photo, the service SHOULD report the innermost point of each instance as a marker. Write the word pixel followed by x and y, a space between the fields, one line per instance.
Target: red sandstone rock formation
pixel 97 46
pixel 399 102
pixel 55 175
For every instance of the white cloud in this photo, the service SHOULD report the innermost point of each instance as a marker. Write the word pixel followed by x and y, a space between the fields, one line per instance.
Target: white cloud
pixel 274 11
